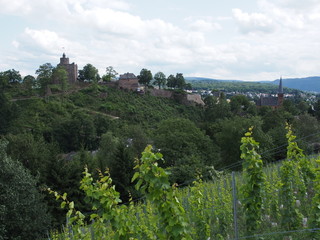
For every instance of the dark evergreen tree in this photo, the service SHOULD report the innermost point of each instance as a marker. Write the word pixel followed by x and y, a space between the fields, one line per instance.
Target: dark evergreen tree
pixel 23 213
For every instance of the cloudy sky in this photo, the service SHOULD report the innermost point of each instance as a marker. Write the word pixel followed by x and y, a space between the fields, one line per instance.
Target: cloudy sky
pixel 229 39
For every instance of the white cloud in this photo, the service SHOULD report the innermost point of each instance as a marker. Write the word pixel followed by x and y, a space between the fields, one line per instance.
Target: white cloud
pixel 254 22
pixel 203 25
pixel 275 38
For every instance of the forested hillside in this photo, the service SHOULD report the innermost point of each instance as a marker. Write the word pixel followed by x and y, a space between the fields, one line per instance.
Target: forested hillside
pixel 49 138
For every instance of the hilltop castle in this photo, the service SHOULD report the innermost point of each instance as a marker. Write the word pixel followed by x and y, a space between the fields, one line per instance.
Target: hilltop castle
pixel 71 68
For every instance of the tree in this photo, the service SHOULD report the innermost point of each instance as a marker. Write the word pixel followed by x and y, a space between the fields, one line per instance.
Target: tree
pixel 23 214
pixel 239 104
pixel 8 112
pixel 60 75
pixel 180 82
pixel 160 79
pixel 183 143
pixel 44 76
pixel 89 73
pixel 13 76
pixel 4 82
pixel 29 83
pixel 216 108
pixel 227 135
pixel 110 74
pixel 171 81
pixel 145 77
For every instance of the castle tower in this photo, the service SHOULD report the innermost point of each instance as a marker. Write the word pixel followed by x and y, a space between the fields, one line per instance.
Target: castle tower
pixel 64 60
pixel 280 93
pixel 72 69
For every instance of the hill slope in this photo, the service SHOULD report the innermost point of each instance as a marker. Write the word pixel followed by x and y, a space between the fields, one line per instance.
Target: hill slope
pixel 311 84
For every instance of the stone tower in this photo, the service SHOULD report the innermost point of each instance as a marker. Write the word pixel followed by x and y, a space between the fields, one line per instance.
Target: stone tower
pixel 72 69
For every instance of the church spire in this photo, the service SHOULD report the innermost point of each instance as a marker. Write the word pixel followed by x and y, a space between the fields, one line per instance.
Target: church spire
pixel 280 86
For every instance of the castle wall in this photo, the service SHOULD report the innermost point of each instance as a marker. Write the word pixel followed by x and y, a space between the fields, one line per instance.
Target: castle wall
pixel 72 69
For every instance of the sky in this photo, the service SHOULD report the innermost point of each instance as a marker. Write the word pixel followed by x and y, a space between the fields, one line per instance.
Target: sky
pixel 229 39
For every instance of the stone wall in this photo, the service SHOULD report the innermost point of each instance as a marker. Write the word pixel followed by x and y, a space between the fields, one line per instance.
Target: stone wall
pixel 187 99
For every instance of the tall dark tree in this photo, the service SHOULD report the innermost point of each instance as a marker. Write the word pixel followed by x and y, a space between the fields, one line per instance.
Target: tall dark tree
pixel 160 79
pixel 23 213
pixel 44 77
pixel 182 143
pixel 180 81
pixel 171 81
pixel 13 76
pixel 89 73
pixel 4 82
pixel 8 112
pixel 145 77
pixel 29 82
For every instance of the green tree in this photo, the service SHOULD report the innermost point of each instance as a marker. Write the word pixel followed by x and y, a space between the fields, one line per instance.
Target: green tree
pixel 239 104
pixel 227 134
pixel 29 82
pixel 216 108
pixel 13 76
pixel 33 152
pixel 180 82
pixel 4 82
pixel 60 75
pixel 171 81
pixel 89 73
pixel 145 77
pixel 9 112
pixel 23 213
pixel 110 74
pixel 44 76
pixel 160 79
pixel 180 141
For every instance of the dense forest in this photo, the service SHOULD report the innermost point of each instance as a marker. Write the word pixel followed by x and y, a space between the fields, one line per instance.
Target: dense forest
pixel 48 139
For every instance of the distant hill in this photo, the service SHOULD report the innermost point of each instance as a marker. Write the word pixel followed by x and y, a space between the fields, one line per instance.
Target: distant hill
pixel 311 84
pixel 210 79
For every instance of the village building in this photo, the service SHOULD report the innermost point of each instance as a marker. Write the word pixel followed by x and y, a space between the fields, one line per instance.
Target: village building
pixel 272 101
pixel 71 68
pixel 128 81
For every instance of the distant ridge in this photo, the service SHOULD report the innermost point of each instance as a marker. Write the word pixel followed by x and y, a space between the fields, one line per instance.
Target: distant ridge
pixel 310 84
pixel 210 79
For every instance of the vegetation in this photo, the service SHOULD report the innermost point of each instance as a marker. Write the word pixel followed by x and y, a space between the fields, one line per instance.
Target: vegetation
pixel 53 136
pixel 201 211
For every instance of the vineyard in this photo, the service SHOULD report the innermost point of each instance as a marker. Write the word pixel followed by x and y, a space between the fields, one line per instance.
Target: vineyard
pixel 277 201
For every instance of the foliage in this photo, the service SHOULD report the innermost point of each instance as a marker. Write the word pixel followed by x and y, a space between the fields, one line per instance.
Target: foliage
pixel 111 220
pixel 185 145
pixel 110 74
pixel 9 112
pixel 89 73
pixel 60 75
pixel 160 79
pixel 290 178
pixel 315 218
pixel 171 81
pixel 154 182
pixel 23 213
pixel 29 83
pixel 254 182
pixel 44 77
pixel 12 75
pixel 239 86
pixel 145 77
